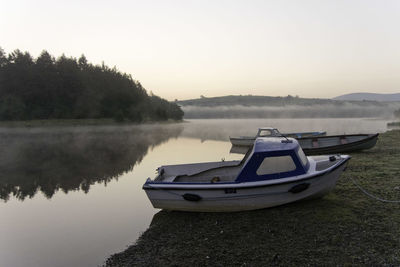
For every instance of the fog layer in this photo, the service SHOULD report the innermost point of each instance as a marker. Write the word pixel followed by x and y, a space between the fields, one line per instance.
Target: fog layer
pixel 346 110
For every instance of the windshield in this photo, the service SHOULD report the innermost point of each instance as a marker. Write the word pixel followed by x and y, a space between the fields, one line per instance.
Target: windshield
pixel 302 156
pixel 277 164
pixel 264 132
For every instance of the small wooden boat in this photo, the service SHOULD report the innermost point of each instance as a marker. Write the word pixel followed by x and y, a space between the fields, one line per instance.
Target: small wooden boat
pixel 274 172
pixel 270 132
pixel 327 144
pixel 337 143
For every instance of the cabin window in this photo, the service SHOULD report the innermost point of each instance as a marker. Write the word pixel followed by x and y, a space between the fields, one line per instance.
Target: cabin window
pixel 302 156
pixel 264 133
pixel 273 165
pixel 276 132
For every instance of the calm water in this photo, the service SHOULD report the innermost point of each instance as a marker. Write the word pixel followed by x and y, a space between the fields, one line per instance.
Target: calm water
pixel 72 196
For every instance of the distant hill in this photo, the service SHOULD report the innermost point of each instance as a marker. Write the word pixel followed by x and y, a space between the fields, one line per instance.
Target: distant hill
pixel 250 100
pixel 249 106
pixel 253 100
pixel 369 97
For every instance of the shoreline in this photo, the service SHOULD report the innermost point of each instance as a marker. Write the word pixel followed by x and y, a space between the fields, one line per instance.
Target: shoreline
pixel 77 122
pixel 345 227
pixel 393 124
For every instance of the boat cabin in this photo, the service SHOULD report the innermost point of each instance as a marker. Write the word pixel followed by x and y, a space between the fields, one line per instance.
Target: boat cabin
pixel 273 158
pixel 270 158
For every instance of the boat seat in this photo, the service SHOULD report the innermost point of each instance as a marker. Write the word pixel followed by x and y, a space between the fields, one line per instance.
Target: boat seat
pixel 205 179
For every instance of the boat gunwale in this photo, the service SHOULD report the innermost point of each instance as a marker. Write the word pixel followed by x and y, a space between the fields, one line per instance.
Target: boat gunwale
pixel 341 135
pixel 195 186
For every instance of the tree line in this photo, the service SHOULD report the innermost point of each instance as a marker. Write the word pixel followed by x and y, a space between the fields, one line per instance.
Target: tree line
pixel 70 88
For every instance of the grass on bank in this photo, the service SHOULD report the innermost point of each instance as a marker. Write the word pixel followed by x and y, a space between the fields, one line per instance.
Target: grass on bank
pixel 393 124
pixel 344 228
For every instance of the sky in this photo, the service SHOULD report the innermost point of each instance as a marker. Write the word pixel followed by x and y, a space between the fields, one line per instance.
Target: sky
pixel 181 49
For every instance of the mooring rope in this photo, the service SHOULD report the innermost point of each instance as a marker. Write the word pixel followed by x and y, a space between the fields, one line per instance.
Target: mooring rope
pixel 372 196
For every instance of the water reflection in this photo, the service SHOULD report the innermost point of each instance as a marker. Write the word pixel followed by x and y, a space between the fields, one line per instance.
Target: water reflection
pixel 66 159
pixel 74 158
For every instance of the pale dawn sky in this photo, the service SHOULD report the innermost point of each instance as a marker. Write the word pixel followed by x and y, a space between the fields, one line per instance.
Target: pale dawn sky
pixel 184 49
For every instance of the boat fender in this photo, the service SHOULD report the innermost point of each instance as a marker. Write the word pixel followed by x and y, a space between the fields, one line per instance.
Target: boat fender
pixel 191 197
pixel 332 158
pixel 299 188
pixel 215 179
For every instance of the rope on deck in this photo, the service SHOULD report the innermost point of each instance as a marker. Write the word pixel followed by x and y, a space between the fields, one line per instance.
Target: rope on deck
pixel 371 195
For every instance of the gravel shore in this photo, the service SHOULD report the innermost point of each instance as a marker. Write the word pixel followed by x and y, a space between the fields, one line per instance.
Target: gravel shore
pixel 346 227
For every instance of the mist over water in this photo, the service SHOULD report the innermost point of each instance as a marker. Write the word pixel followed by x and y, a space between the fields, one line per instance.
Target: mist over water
pixel 50 159
pixel 69 158
pixel 71 196
pixel 342 110
pixel 221 129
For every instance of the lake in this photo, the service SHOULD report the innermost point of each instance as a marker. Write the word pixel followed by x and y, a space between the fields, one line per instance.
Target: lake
pixel 72 196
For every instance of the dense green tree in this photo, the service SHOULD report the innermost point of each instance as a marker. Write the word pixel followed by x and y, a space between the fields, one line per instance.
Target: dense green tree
pixel 3 58
pixel 82 62
pixel 67 88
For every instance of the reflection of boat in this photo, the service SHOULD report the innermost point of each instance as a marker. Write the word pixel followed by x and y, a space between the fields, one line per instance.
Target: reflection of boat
pixel 273 173
pixel 269 132
pixel 327 144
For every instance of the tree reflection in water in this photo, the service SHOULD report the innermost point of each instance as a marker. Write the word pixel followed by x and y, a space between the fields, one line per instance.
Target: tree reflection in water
pixel 68 158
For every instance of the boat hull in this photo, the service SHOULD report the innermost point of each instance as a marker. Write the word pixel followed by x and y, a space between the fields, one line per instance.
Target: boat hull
pixel 243 198
pixel 321 145
pixel 367 142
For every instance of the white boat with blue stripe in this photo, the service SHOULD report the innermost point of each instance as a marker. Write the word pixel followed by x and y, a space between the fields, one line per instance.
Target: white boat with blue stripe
pixel 275 172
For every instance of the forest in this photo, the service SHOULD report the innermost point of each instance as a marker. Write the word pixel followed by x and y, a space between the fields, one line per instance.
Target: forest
pixel 68 88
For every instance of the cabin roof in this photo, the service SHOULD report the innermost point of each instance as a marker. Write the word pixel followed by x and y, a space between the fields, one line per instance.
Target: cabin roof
pixel 267 144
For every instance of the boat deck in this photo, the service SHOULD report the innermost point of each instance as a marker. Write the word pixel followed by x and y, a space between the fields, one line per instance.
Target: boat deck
pixel 218 175
pixel 323 163
pixel 200 172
